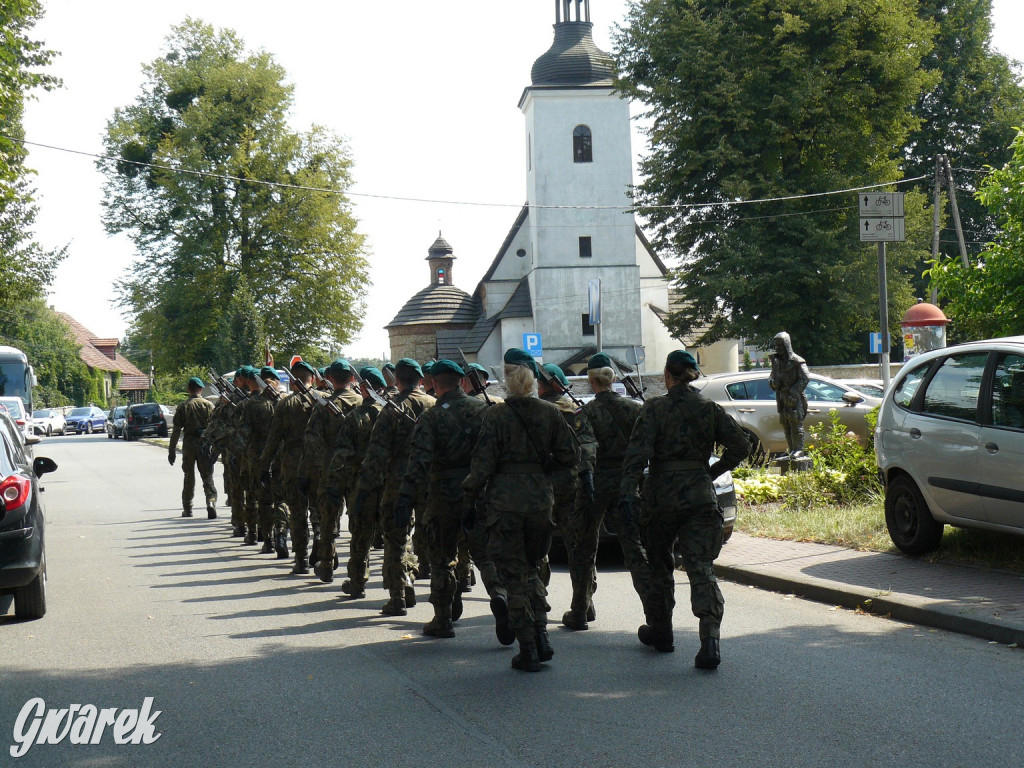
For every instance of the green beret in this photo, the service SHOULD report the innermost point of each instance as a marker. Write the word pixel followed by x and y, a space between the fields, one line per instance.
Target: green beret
pixel 408 362
pixel 389 367
pixel 516 356
pixel 428 367
pixel 481 369
pixel 683 358
pixel 555 372
pixel 302 365
pixel 373 377
pixel 600 360
pixel 339 367
pixel 241 373
pixel 195 381
pixel 446 366
pixel 267 372
pixel 252 371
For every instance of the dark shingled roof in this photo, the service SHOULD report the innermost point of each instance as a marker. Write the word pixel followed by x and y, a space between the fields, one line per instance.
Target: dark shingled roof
pixel 440 249
pixel 519 305
pixel 437 304
pixel 573 58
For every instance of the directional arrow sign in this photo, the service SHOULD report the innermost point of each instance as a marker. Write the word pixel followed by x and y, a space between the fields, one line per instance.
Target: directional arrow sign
pixel 888 230
pixel 885 204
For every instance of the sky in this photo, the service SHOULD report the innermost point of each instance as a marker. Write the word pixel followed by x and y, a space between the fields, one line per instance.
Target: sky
pixel 425 93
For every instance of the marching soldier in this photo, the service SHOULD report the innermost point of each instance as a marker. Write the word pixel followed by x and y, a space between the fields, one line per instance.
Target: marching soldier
pixel 256 417
pixel 472 391
pixel 190 420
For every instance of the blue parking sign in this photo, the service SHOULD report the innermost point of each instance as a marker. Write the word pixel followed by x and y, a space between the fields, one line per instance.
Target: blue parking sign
pixel 532 344
pixel 875 343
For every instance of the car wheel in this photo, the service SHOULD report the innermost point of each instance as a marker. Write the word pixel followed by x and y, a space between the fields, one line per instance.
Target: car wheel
pixel 757 455
pixel 726 534
pixel 911 525
pixel 49 430
pixel 30 600
pixel 162 432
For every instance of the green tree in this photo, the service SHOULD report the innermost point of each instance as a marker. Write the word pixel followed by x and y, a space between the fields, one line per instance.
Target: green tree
pixel 214 189
pixel 986 299
pixel 769 99
pixel 971 113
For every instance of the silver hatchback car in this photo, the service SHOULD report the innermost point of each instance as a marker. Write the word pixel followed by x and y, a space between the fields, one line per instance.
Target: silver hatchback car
pixel 950 443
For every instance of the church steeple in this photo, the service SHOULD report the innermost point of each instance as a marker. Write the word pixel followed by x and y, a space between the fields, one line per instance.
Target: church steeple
pixel 440 257
pixel 573 58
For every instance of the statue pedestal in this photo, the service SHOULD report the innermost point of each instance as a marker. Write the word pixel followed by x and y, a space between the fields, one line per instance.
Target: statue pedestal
pixel 786 464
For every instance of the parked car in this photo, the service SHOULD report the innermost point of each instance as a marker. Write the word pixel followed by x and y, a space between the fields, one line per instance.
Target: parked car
pixel 950 443
pixel 19 415
pixel 748 397
pixel 22 543
pixel 870 387
pixel 146 419
pixel 85 420
pixel 48 421
pixel 115 422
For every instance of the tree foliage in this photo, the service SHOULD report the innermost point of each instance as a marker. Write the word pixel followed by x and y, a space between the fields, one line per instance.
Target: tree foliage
pixel 986 299
pixel 196 150
pixel 769 99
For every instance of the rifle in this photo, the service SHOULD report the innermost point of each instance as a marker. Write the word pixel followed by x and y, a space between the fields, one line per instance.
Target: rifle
pixel 330 405
pixel 275 393
pixel 632 388
pixel 560 388
pixel 389 377
pixel 382 400
pixel 320 378
pixel 226 388
pixel 474 378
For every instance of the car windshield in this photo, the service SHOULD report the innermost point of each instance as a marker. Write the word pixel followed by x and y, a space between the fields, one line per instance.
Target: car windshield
pixel 119 411
pixel 13 405
pixel 41 415
pixel 80 412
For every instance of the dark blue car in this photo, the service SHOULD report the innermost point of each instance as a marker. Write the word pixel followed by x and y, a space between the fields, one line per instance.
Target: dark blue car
pixel 85 420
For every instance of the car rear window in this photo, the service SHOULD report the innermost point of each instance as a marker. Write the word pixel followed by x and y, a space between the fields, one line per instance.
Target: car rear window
pixel 752 389
pixel 824 391
pixel 146 409
pixel 953 390
pixel 80 412
pixel 1008 392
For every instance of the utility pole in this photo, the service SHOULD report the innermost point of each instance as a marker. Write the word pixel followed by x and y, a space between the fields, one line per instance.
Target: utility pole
pixel 956 211
pixel 936 218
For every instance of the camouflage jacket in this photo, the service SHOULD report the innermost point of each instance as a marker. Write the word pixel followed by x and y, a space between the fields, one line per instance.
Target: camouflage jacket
pixel 675 435
pixel 521 441
pixel 611 417
pixel 443 442
pixel 581 429
pixel 350 445
pixel 287 428
pixel 219 429
pixel 388 450
pixel 322 429
pixel 256 416
pixel 190 421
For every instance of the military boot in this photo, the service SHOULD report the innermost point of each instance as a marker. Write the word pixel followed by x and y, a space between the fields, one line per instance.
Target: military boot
pixel 575 620
pixel 395 606
pixel 457 606
pixel 186 513
pixel 591 613
pixel 352 589
pixel 324 572
pixel 237 531
pixel 527 659
pixel 439 626
pixel 301 567
pixel 281 544
pixel 314 552
pixel 410 596
pixel 268 545
pixel 466 584
pixel 544 650
pixel 710 655
pixel 502 629
pixel 659 639
pixel 211 509
pixel 250 535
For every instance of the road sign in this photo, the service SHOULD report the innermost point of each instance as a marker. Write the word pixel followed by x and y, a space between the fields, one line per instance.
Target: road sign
pixel 888 230
pixel 881 204
pixel 532 344
pixel 875 342
pixel 635 355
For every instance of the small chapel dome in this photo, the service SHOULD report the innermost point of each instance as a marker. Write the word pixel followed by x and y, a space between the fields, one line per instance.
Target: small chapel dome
pixel 573 58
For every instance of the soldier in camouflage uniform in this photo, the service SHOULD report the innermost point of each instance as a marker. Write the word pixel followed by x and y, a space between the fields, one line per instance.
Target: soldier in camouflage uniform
pixel 675 436
pixel 611 417
pixel 522 441
pixel 236 482
pixel 190 421
pixel 442 445
pixel 383 467
pixel 287 432
pixel 552 388
pixel 257 415
pixel 340 482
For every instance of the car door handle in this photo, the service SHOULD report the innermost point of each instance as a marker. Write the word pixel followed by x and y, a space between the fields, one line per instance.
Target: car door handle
pixel 915 433
pixel 747 410
pixel 991 447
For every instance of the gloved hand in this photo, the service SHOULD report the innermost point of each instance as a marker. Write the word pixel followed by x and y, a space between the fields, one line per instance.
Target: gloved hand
pixel 171 456
pixel 264 478
pixel 402 512
pixel 303 485
pixel 626 507
pixel 468 517
pixel 587 485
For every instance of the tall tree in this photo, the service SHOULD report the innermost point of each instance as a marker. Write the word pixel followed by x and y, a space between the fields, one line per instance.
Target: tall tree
pixel 769 99
pixel 216 192
pixel 971 113
pixel 986 299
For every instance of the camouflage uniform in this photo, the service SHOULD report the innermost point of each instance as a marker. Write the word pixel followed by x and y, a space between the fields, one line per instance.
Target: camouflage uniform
pixel 442 446
pixel 611 418
pixel 257 415
pixel 675 435
pixel 386 457
pixel 190 421
pixel 340 482
pixel 287 431
pixel 521 441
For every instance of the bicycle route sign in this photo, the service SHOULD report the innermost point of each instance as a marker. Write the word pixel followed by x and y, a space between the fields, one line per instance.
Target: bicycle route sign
pixel 881 217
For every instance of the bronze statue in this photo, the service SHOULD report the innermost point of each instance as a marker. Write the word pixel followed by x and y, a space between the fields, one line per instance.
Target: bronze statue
pixel 788 380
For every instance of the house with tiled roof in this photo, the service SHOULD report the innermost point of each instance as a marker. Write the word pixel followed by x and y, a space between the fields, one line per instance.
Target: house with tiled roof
pixel 121 376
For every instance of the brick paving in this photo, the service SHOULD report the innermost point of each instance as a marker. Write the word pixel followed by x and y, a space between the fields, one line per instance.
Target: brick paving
pixel 965 599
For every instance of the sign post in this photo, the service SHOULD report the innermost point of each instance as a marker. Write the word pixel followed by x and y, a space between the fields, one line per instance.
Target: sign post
pixel 881 221
pixel 594 295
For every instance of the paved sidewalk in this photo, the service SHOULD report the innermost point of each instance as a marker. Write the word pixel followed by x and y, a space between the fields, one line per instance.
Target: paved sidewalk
pixel 965 599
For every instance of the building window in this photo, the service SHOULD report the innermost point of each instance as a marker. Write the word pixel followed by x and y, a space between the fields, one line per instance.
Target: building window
pixel 585 251
pixel 588 329
pixel 582 145
pixel 441 276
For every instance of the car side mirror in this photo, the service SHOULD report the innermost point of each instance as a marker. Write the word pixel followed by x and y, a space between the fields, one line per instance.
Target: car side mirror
pixel 852 398
pixel 43 465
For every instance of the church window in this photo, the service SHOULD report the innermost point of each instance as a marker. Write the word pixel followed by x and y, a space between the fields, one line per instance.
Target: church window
pixel 585 248
pixel 588 329
pixel 582 145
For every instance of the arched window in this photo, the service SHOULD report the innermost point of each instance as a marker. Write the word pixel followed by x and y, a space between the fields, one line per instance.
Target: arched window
pixel 582 145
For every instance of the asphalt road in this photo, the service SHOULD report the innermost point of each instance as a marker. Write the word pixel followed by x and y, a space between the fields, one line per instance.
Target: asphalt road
pixel 250 666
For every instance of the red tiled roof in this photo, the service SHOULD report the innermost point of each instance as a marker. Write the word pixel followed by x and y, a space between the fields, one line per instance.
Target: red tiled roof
pixel 127 383
pixel 92 357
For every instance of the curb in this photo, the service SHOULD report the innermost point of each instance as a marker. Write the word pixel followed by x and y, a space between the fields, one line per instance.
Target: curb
pixel 888 606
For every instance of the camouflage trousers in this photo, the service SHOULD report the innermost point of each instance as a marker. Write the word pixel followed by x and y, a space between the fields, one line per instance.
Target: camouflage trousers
pixel 699 530
pixel 586 534
pixel 564 515
pixel 296 501
pixel 362 522
pixel 330 512
pixel 399 564
pixel 517 541
pixel 190 461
